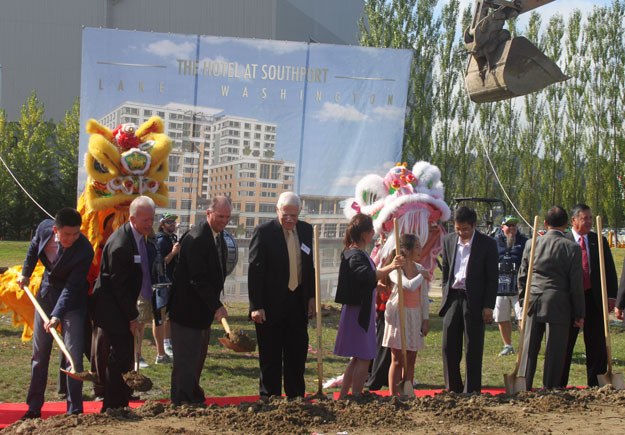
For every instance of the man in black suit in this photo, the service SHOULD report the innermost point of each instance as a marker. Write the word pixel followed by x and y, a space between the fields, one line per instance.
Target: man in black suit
pixel 195 300
pixel 470 280
pixel 594 335
pixel 124 273
pixel 281 289
pixel 556 299
pixel 66 255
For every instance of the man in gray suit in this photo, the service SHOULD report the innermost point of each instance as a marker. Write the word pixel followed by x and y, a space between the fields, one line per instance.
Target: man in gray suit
pixel 556 297
pixel 470 280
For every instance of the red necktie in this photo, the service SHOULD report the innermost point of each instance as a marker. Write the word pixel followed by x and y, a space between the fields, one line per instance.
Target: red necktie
pixel 585 265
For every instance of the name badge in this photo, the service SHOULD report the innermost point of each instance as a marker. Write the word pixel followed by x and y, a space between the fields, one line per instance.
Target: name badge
pixel 305 248
pixel 137 259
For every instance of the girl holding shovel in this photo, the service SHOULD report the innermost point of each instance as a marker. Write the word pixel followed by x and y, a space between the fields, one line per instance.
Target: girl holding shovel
pixel 416 303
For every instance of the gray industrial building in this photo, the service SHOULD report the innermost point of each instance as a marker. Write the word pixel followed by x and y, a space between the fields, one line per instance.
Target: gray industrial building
pixel 40 40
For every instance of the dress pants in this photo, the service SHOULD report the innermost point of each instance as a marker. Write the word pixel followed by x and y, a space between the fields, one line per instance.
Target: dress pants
pixel 72 326
pixel 458 324
pixel 555 349
pixel 594 341
pixel 282 349
pixel 120 360
pixel 190 346
pixel 99 358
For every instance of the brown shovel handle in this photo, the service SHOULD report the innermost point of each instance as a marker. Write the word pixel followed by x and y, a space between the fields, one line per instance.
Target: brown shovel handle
pixel 224 323
pixel 316 260
pixel 604 294
pixel 526 299
pixel 400 301
pixel 53 331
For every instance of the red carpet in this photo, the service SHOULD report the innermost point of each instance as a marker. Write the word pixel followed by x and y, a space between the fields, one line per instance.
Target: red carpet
pixel 11 412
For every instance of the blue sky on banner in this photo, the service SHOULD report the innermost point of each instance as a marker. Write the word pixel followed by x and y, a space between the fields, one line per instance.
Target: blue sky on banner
pixel 344 121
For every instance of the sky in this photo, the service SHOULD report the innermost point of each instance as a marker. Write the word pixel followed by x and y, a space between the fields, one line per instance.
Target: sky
pixel 564 7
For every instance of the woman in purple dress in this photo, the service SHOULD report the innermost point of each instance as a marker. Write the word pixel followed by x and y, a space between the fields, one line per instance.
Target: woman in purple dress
pixel 358 278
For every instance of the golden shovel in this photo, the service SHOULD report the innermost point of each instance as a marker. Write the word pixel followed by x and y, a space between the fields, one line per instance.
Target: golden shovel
pixel 614 379
pixel 72 373
pixel 515 382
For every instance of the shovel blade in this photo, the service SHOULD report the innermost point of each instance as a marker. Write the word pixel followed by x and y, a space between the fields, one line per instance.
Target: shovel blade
pixel 232 346
pixel 514 383
pixel 518 68
pixel 406 389
pixel 81 376
pixel 614 379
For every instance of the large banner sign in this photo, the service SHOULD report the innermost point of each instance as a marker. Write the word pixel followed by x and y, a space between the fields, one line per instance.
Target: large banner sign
pixel 252 118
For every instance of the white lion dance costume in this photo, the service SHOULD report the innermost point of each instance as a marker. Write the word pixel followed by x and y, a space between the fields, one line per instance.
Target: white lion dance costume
pixel 414 198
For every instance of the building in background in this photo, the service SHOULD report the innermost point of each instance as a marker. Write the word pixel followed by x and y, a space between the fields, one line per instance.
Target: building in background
pixel 40 41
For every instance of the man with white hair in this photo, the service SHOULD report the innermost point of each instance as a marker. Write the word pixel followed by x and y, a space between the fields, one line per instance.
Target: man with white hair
pixel 124 273
pixel 282 297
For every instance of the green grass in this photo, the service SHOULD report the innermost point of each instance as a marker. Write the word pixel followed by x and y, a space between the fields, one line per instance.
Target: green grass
pixel 12 253
pixel 229 374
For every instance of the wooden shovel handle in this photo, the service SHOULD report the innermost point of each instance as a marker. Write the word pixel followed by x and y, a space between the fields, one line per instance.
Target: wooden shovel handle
pixel 317 262
pixel 526 300
pixel 53 331
pixel 400 300
pixel 604 294
pixel 226 326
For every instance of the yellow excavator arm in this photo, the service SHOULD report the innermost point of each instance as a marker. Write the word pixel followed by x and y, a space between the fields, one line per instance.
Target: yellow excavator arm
pixel 502 67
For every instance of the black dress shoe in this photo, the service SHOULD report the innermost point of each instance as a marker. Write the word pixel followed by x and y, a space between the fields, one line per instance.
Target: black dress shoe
pixel 30 415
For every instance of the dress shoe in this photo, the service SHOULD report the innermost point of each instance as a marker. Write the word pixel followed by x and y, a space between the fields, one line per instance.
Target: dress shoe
pixel 30 415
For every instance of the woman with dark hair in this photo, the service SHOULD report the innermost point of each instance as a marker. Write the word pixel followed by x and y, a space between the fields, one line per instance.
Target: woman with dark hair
pixel 358 278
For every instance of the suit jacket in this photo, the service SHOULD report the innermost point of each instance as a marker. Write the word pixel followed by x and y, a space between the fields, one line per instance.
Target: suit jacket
pixel 198 279
pixel 66 278
pixel 557 293
pixel 119 283
pixel 620 297
pixel 595 271
pixel 268 274
pixel 482 273
pixel 357 279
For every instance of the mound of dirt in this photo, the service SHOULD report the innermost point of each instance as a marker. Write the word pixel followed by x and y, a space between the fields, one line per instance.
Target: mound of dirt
pixel 541 412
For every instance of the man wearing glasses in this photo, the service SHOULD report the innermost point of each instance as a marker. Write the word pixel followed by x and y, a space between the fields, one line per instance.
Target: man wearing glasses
pixel 281 288
pixel 510 244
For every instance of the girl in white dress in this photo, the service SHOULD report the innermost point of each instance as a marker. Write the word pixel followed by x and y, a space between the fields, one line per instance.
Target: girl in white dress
pixel 415 282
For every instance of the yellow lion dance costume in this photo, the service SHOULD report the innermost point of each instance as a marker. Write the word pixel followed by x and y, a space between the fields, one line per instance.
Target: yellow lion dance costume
pixel 121 165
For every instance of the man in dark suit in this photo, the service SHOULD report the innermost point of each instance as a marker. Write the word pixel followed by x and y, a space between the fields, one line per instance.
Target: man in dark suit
pixel 594 335
pixel 66 255
pixel 469 290
pixel 195 300
pixel 124 273
pixel 281 289
pixel 619 305
pixel 556 297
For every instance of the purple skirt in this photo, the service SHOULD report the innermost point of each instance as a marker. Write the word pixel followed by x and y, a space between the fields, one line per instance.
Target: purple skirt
pixel 351 339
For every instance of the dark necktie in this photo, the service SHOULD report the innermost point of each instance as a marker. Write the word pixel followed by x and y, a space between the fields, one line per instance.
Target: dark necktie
pixel 220 253
pixel 146 281
pixel 585 264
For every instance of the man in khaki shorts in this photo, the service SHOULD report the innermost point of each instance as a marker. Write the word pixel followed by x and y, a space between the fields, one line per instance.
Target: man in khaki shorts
pixel 510 244
pixel 144 306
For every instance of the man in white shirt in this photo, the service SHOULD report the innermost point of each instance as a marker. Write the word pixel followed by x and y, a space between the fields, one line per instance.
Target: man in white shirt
pixel 470 279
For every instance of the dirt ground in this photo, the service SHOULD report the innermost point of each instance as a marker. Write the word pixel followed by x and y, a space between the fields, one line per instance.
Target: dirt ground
pixel 597 410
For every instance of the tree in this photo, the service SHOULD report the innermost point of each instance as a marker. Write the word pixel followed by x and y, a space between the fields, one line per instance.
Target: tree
pixel 32 162
pixel 67 141
pixel 408 24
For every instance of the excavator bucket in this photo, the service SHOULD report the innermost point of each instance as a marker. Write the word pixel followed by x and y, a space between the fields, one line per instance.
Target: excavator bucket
pixel 518 68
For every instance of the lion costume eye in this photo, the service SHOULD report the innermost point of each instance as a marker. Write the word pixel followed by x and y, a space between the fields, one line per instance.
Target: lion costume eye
pixel 100 167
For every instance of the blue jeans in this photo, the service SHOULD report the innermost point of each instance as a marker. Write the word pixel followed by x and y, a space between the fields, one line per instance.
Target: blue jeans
pixel 73 336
